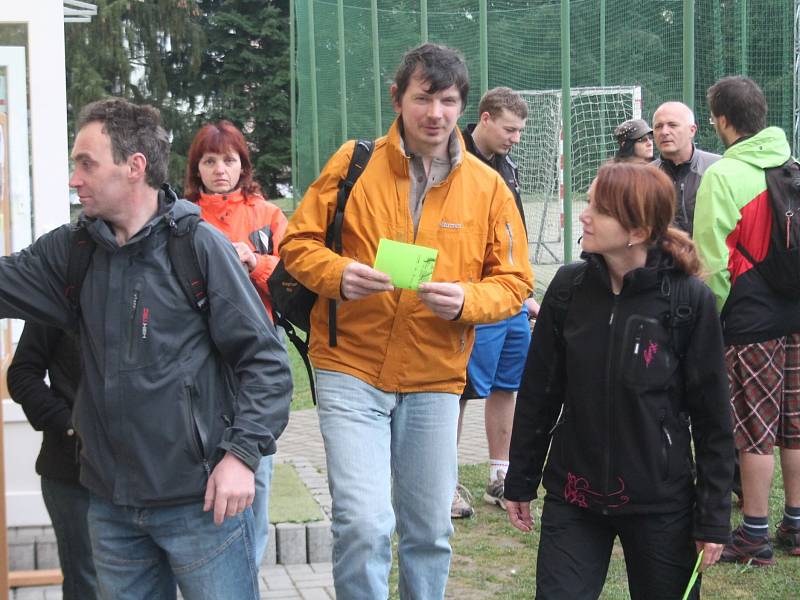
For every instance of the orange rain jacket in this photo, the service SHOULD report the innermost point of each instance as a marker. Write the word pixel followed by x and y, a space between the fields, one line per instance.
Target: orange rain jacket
pixel 391 340
pixel 253 220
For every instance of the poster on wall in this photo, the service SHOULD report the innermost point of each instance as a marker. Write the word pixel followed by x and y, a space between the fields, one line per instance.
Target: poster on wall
pixel 5 242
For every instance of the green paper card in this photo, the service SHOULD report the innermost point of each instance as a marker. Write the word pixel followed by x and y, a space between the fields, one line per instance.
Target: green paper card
pixel 695 573
pixel 408 265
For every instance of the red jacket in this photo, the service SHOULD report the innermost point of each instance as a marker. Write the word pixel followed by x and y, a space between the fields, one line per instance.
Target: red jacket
pixel 253 220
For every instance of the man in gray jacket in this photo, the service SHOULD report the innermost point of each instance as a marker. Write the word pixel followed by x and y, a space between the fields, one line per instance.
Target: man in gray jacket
pixel 175 407
pixel 675 128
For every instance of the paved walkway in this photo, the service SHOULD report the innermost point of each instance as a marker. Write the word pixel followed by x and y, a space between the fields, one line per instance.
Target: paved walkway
pixel 301 445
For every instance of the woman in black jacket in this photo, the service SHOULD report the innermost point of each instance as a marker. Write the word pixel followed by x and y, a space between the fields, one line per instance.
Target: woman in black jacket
pixel 44 350
pixel 625 369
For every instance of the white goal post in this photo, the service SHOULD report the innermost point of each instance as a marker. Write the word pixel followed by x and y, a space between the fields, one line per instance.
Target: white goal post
pixel 595 112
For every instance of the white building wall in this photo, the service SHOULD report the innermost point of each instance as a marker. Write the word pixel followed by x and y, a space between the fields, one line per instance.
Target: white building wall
pixel 42 206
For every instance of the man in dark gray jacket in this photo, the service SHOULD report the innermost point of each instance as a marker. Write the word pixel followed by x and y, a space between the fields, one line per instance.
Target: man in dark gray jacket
pixel 175 408
pixel 675 127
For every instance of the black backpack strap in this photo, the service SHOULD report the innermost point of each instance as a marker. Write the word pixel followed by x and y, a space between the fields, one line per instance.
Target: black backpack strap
pixel 182 255
pixel 682 311
pixel 561 295
pixel 81 249
pixel 302 349
pixel 333 239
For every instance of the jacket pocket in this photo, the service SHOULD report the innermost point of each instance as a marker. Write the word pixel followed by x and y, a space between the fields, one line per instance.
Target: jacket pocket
pixel 194 429
pixel 648 361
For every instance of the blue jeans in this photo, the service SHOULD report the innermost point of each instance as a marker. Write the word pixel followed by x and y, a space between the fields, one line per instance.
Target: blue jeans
pixel 67 503
pixel 391 461
pixel 261 507
pixel 141 553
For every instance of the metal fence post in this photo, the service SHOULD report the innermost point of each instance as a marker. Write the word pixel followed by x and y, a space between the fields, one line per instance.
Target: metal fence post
pixel 602 42
pixel 293 100
pixel 484 47
pixel 342 69
pixel 688 53
pixel 423 20
pixel 566 128
pixel 312 59
pixel 376 69
pixel 745 32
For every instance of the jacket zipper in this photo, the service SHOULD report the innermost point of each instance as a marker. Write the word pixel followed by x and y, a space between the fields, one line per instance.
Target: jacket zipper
pixel 666 444
pixel 132 323
pixel 683 206
pixel 638 339
pixel 510 244
pixel 193 434
pixel 609 396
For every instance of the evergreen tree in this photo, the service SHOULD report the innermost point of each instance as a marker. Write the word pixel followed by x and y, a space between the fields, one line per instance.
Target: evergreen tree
pixel 245 78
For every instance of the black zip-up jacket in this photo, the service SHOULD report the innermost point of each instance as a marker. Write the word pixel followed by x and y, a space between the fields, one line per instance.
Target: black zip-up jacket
pixel 622 443
pixel 47 350
pixel 502 164
pixel 686 178
pixel 166 391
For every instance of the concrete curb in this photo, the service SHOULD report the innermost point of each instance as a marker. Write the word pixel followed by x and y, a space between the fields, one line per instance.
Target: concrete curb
pixel 289 543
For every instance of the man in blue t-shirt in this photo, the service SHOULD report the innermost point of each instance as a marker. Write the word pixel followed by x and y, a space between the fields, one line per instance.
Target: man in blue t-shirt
pixel 498 356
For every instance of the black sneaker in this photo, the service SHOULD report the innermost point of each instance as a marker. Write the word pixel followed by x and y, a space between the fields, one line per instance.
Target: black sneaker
pixel 742 549
pixel 788 538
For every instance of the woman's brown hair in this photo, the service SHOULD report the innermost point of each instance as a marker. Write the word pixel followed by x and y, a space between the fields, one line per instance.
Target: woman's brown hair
pixel 219 138
pixel 643 197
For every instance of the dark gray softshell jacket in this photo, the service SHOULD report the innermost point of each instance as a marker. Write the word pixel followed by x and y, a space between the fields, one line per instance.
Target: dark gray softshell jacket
pixel 165 391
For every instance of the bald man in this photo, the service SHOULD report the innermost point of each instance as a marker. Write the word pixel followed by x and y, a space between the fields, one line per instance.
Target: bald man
pixel 674 128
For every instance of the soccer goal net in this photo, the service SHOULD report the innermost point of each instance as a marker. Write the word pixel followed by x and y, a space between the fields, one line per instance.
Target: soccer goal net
pixel 595 112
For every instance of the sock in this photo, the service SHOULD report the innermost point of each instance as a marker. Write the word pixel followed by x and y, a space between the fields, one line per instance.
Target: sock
pixel 791 517
pixel 495 466
pixel 755 528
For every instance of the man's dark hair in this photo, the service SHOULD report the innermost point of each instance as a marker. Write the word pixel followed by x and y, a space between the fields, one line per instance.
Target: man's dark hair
pixel 440 67
pixel 132 128
pixel 740 101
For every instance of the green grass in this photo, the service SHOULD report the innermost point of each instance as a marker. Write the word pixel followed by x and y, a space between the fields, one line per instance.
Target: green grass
pixel 493 560
pixel 289 498
pixel 301 398
pixel 285 204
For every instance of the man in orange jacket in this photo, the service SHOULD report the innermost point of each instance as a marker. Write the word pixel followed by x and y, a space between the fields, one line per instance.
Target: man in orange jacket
pixel 388 391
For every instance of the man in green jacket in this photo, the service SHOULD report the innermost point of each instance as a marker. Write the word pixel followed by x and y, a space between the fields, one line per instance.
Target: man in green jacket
pixel 733 218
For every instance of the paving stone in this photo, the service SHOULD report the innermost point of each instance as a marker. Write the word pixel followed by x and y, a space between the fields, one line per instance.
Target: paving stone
pixel 46 550
pixel 314 594
pixel 321 567
pixel 30 593
pixel 270 556
pixel 53 593
pixel 315 580
pixel 282 595
pixel 291 543
pixel 21 555
pixel 319 541
pixel 295 570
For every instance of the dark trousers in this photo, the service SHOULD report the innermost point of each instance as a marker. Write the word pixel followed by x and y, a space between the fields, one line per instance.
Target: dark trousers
pixel 68 503
pixel 575 548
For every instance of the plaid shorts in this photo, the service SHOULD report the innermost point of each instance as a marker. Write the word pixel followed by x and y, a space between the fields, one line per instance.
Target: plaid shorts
pixel 765 394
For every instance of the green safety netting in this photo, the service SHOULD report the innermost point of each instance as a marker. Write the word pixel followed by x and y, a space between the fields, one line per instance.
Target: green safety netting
pixel 626 57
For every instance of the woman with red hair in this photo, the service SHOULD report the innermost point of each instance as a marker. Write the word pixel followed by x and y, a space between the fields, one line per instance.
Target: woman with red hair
pixel 219 178
pixel 625 370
